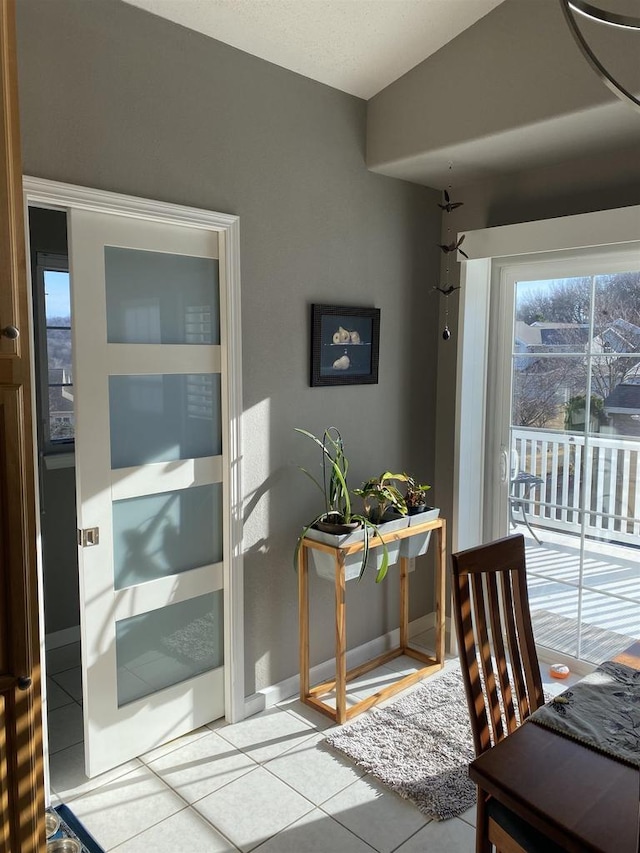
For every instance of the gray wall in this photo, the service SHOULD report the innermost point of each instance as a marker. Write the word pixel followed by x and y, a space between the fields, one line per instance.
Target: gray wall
pixel 515 88
pixel 114 98
pixel 48 233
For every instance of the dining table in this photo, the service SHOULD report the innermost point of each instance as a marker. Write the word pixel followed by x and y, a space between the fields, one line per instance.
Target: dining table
pixel 580 798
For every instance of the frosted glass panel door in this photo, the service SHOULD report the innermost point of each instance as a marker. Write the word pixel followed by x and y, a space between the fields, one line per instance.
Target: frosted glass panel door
pixel 151 497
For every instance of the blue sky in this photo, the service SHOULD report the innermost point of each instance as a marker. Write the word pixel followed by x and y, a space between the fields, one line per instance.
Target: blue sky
pixel 57 297
pixel 526 288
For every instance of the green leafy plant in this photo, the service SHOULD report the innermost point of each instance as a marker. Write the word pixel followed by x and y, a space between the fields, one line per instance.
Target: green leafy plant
pixel 416 493
pixel 575 411
pixel 380 494
pixel 335 465
pixel 337 497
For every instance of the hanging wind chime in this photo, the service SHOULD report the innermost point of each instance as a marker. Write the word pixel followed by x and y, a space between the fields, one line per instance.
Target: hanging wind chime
pixel 447 249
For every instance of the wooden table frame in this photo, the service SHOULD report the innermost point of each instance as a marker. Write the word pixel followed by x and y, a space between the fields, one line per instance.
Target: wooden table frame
pixel 583 800
pixel 310 695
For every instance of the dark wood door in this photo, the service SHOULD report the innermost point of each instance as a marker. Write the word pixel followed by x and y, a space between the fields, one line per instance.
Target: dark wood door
pixel 21 759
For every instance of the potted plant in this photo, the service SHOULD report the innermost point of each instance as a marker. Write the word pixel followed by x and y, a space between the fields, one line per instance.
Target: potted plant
pixel 337 524
pixel 419 512
pixel 415 496
pixel 385 506
pixel 380 495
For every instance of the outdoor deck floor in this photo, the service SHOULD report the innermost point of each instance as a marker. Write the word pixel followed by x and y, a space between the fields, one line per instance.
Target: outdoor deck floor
pixel 610 610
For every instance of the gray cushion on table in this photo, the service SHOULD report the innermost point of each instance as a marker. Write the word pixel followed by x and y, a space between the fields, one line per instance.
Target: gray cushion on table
pixel 602 711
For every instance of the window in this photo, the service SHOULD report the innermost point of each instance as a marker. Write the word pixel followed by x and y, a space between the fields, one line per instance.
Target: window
pixel 53 325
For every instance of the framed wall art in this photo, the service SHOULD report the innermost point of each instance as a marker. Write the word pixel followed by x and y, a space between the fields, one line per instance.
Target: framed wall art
pixel 344 345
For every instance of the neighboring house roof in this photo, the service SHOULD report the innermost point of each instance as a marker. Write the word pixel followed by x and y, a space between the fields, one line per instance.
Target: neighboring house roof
pixel 59 374
pixel 621 336
pixel 60 400
pixel 569 335
pixel 633 374
pixel 526 335
pixel 624 399
pixel 547 338
pixel 540 335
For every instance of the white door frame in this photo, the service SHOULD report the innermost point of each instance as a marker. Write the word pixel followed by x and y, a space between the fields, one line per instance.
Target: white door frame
pixel 490 252
pixel 39 192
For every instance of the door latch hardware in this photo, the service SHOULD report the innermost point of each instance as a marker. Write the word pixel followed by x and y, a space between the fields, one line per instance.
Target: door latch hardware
pixel 89 536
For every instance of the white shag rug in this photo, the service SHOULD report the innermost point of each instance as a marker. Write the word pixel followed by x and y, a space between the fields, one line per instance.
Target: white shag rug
pixel 420 746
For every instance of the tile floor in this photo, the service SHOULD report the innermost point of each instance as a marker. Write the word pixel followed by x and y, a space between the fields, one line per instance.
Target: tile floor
pixel 266 784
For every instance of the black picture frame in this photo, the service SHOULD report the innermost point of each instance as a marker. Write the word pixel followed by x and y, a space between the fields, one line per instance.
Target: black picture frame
pixel 345 345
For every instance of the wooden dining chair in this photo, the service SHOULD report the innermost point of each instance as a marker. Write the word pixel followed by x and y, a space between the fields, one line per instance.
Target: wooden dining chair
pixel 500 671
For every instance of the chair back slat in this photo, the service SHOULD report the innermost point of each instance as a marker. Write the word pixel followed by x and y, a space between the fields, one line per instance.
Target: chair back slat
pixel 470 668
pixel 527 644
pixel 483 647
pixel 495 637
pixel 493 599
pixel 513 647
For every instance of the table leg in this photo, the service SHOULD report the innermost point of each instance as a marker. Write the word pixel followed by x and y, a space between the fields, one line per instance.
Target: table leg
pixel 303 610
pixel 482 828
pixel 341 642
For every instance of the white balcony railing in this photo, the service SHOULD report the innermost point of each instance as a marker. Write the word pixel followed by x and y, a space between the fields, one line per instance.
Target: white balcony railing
pixel 601 474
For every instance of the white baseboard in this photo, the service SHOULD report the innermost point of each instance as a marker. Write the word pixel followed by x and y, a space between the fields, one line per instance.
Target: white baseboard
pixel 62 638
pixel 254 704
pixel 275 693
pixel 577 667
pixel 422 624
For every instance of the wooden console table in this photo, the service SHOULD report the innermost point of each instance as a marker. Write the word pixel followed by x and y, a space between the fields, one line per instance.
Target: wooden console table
pixel 310 695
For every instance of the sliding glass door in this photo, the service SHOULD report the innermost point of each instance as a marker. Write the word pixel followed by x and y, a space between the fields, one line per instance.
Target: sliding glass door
pixel 566 404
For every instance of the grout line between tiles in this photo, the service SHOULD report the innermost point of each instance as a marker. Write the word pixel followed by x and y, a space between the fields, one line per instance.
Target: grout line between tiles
pixel 137 834
pixel 244 751
pixel 174 748
pixel 66 693
pixel 413 834
pixel 284 828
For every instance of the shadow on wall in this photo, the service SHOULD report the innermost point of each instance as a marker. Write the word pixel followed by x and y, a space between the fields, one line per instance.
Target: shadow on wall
pixel 600 182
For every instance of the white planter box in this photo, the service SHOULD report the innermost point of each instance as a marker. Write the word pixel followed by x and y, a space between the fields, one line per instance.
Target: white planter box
pixel 393 548
pixel 325 564
pixel 416 546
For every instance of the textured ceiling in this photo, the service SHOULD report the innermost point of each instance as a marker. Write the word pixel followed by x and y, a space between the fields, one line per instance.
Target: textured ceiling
pixel 358 46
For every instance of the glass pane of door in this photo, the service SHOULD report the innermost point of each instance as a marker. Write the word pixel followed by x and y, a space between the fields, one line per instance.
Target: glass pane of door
pixel 574 439
pixel 159 298
pixel 160 418
pixel 167 646
pixel 167 533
